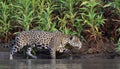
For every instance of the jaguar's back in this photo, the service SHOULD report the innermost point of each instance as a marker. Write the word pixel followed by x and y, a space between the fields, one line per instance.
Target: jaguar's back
pixel 34 37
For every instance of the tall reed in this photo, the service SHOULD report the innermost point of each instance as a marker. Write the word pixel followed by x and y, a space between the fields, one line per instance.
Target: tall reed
pixel 24 13
pixel 68 16
pixel 68 21
pixel 5 18
pixel 90 16
pixel 44 15
pixel 116 5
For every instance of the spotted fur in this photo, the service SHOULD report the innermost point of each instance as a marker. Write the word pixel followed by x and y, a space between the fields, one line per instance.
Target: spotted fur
pixel 54 40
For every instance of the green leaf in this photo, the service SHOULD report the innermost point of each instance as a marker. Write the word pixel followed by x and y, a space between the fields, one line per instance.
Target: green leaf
pixel 84 3
pixel 107 5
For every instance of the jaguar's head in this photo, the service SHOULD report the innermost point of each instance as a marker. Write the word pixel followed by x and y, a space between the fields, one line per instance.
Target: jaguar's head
pixel 75 41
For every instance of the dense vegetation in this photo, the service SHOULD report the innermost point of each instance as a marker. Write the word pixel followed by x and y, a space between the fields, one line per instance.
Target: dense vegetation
pixel 96 22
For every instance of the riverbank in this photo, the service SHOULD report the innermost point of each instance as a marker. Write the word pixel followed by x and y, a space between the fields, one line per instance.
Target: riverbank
pixel 83 53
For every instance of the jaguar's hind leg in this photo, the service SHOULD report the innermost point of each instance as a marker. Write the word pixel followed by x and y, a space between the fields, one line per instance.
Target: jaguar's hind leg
pixel 13 51
pixel 30 54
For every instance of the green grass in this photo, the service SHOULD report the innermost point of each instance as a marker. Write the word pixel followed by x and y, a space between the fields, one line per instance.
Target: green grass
pixel 68 16
pixel 44 13
pixel 24 13
pixel 5 19
pixel 90 16
pixel 118 46
pixel 51 15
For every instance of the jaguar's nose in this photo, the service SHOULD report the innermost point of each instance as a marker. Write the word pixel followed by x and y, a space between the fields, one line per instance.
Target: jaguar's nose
pixel 80 45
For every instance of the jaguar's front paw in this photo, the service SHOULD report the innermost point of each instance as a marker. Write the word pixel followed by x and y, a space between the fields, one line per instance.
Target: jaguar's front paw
pixel 11 57
pixel 34 57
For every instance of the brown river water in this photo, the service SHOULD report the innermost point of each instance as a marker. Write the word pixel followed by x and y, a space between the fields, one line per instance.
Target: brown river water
pixel 5 63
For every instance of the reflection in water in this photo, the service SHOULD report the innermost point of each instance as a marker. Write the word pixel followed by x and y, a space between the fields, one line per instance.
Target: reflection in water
pixel 60 64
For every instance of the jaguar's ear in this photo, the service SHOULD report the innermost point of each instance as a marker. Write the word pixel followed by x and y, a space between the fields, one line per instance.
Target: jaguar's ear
pixel 71 37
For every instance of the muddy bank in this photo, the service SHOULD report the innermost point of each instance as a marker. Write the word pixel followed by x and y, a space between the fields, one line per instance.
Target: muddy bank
pixel 84 53
pixel 5 55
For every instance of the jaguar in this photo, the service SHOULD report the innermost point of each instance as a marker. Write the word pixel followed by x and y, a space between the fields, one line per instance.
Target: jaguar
pixel 55 41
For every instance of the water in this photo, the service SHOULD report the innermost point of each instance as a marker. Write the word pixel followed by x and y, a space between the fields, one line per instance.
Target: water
pixel 59 64
pixel 5 63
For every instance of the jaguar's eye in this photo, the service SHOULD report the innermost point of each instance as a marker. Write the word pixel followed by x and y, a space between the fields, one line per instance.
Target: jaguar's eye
pixel 71 37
